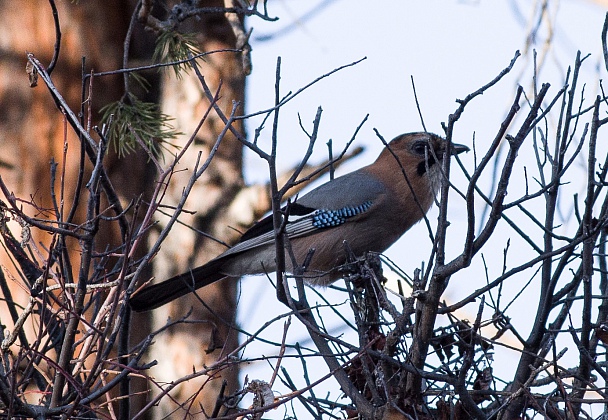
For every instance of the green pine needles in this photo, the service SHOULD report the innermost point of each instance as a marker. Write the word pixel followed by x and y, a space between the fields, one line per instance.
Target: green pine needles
pixel 134 122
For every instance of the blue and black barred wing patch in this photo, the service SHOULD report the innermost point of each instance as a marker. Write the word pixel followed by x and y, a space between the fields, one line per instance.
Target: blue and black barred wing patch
pixel 329 218
pixel 323 219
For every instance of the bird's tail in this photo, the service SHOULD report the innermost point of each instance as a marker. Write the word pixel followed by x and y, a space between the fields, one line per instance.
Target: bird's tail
pixel 156 295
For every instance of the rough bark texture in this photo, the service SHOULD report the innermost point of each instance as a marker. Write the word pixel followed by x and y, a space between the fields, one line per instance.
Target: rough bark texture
pixel 32 128
pixel 32 134
pixel 196 345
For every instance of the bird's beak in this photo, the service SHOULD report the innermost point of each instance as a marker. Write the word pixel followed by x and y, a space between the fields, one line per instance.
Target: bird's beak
pixel 459 148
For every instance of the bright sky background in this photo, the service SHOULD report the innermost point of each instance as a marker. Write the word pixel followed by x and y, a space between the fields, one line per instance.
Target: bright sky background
pixel 451 48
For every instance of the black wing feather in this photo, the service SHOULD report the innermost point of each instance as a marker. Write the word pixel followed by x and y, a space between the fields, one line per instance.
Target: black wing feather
pixel 265 225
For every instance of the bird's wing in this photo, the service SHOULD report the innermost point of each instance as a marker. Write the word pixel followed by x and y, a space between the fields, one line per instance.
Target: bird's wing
pixel 349 190
pixel 327 206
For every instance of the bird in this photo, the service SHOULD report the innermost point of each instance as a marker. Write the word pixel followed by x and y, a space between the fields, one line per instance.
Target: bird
pixel 368 209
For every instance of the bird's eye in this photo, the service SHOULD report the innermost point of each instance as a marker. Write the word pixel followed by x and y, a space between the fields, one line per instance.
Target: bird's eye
pixel 420 147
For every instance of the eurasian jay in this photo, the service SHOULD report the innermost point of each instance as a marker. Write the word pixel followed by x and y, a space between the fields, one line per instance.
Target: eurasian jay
pixel 369 209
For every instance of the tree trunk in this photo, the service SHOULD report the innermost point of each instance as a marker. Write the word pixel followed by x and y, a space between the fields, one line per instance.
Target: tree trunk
pixel 33 132
pixel 194 345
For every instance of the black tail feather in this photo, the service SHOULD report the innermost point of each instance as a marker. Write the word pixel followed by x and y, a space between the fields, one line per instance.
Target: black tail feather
pixel 159 294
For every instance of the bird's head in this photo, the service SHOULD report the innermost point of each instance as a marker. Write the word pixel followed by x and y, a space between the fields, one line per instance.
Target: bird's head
pixel 417 155
pixel 420 150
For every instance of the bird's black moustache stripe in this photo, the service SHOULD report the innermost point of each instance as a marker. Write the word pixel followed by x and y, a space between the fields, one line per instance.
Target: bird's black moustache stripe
pixel 421 168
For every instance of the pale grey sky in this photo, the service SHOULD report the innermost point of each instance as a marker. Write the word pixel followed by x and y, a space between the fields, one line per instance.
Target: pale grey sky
pixel 451 48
